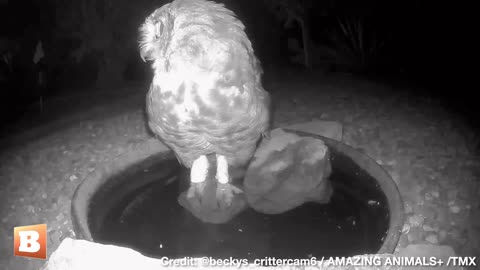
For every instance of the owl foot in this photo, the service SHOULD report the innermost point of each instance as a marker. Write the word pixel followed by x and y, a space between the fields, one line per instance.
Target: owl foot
pixel 226 193
pixel 196 190
pixel 198 175
pixel 225 190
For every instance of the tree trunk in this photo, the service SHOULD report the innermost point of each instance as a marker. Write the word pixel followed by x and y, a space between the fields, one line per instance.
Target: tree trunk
pixel 306 43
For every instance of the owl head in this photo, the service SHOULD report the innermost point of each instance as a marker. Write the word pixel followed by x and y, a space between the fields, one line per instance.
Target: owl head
pixel 155 33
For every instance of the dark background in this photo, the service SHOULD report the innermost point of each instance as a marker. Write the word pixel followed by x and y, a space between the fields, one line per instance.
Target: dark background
pixel 92 45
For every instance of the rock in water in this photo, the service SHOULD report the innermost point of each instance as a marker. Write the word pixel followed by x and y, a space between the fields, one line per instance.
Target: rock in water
pixel 286 172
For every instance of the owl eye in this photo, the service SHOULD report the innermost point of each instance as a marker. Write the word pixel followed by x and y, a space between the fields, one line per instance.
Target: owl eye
pixel 158 29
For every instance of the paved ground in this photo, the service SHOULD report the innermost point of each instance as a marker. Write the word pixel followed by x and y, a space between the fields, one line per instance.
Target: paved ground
pixel 428 152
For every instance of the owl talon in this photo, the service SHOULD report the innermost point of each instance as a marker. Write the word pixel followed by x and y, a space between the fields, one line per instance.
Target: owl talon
pixel 225 190
pixel 226 193
pixel 196 190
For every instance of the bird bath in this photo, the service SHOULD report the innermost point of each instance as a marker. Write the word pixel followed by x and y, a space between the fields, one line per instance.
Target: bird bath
pixel 132 202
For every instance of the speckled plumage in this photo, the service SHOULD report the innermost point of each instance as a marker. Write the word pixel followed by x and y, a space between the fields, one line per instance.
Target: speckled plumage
pixel 206 95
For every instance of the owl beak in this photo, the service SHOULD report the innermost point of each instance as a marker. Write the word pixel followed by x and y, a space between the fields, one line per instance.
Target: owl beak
pixel 143 58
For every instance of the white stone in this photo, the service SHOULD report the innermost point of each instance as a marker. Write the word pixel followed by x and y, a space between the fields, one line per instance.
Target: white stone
pixel 82 255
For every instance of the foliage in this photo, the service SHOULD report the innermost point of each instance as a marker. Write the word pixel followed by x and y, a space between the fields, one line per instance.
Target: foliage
pixel 287 10
pixel 104 28
pixel 356 42
pixel 290 12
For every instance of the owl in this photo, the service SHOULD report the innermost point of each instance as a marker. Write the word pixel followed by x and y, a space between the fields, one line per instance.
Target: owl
pixel 206 97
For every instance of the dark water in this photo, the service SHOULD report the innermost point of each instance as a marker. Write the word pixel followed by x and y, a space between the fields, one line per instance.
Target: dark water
pixel 150 220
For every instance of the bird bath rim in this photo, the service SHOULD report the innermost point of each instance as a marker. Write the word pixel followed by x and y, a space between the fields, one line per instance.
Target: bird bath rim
pixel 96 179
